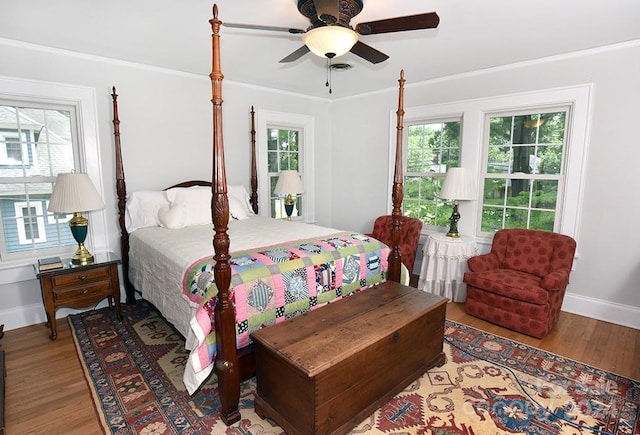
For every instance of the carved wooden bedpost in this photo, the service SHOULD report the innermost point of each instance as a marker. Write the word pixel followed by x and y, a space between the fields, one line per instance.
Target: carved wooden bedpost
pixel 395 260
pixel 121 191
pixel 226 366
pixel 254 165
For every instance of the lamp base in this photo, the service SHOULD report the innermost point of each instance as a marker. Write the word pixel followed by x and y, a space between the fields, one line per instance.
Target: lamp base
pixel 78 225
pixel 289 202
pixel 82 256
pixel 454 218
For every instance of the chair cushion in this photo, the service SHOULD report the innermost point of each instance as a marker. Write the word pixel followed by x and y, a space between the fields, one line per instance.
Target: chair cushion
pixel 512 284
pixel 530 255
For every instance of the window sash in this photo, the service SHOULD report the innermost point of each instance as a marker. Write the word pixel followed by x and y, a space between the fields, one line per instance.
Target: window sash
pixel 48 137
pixel 530 207
pixel 423 177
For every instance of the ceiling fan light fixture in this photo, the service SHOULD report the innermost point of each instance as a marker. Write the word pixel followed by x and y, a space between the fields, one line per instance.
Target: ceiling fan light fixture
pixel 330 41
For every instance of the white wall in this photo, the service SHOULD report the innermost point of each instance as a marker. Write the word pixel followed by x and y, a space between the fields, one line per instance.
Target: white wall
pixel 166 124
pixel 605 282
pixel 166 134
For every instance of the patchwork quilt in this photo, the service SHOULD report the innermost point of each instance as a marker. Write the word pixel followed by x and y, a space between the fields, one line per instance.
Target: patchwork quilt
pixel 272 284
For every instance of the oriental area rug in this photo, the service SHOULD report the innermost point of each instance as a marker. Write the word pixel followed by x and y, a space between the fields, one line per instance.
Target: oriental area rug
pixel 489 385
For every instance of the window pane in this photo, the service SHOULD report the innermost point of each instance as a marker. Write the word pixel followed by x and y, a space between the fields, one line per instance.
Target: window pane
pixel 530 147
pixel 545 194
pixel 550 159
pixel 500 131
pixel 515 218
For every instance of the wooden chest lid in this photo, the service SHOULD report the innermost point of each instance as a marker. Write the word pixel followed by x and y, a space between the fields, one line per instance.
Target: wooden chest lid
pixel 330 334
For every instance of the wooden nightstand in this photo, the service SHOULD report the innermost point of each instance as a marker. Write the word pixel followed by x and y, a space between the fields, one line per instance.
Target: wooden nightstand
pixel 79 286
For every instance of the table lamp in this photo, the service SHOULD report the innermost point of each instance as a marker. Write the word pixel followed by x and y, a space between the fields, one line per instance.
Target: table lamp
pixel 290 184
pixel 75 193
pixel 458 186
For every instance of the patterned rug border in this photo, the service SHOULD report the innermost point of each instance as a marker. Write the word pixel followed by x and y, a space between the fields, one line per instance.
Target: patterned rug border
pixel 537 349
pixel 95 400
pixel 489 348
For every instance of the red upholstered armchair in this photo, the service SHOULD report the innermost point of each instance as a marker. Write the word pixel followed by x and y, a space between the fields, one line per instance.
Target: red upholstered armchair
pixel 521 283
pixel 409 237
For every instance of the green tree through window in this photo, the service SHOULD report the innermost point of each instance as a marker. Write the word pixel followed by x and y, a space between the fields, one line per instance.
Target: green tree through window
pixel 523 170
pixel 431 148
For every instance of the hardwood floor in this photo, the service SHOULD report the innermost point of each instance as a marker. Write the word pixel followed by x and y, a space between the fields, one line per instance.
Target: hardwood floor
pixel 46 392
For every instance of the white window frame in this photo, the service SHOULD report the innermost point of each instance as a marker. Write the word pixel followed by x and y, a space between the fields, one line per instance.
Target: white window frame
pixel 88 160
pixel 416 119
pixel 473 113
pixel 22 235
pixel 305 124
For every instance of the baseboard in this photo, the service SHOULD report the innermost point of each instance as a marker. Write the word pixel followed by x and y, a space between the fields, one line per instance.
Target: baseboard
pixel 602 310
pixel 33 314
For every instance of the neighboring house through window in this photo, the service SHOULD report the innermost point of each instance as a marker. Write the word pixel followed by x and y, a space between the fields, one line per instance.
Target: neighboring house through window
pixel 40 138
pixel 285 142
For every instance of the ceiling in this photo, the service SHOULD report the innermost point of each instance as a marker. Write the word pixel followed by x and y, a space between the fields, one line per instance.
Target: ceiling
pixel 472 35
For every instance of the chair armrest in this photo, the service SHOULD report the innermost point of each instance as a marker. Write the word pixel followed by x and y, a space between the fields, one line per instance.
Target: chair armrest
pixel 483 262
pixel 556 280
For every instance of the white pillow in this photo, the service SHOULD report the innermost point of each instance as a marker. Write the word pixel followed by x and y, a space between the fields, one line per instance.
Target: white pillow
pixel 196 201
pixel 142 208
pixel 172 217
pixel 239 192
pixel 237 210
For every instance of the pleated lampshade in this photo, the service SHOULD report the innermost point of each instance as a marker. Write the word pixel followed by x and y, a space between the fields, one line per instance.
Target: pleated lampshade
pixel 74 192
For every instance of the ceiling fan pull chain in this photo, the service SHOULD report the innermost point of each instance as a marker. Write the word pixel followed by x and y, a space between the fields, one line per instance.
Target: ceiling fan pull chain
pixel 328 83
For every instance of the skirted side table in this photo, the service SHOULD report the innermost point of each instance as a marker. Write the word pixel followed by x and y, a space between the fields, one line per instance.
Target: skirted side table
pixel 444 262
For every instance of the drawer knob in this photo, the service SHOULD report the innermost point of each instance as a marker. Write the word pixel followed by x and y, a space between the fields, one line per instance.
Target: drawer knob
pixel 82 277
pixel 84 292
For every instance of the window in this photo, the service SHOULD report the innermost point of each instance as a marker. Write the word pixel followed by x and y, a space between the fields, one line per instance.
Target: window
pixel 431 147
pixel 527 151
pixel 285 141
pixel 283 153
pixel 38 143
pixel 523 170
pixel 45 129
pixel 30 223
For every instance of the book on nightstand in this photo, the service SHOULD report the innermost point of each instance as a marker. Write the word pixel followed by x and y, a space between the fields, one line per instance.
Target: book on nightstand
pixel 50 263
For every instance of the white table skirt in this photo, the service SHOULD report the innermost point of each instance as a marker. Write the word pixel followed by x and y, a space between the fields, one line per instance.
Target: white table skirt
pixel 444 263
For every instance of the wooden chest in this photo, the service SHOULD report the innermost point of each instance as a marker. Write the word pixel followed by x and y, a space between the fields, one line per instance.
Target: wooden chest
pixel 325 371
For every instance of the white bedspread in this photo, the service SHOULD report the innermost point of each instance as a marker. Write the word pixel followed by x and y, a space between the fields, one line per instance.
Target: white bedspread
pixel 158 258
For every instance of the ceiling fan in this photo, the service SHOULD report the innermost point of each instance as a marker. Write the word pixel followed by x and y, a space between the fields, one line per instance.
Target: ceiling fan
pixel 331 34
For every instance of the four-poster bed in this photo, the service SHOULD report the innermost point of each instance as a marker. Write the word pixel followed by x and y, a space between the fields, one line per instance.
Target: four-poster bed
pixel 220 344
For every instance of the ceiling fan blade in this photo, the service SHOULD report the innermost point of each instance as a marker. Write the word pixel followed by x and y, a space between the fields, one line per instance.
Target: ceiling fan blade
pixel 296 54
pixel 428 20
pixel 327 10
pixel 368 53
pixel 269 28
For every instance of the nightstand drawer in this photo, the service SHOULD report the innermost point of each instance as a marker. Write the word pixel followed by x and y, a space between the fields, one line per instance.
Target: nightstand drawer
pixel 79 286
pixel 83 294
pixel 81 277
